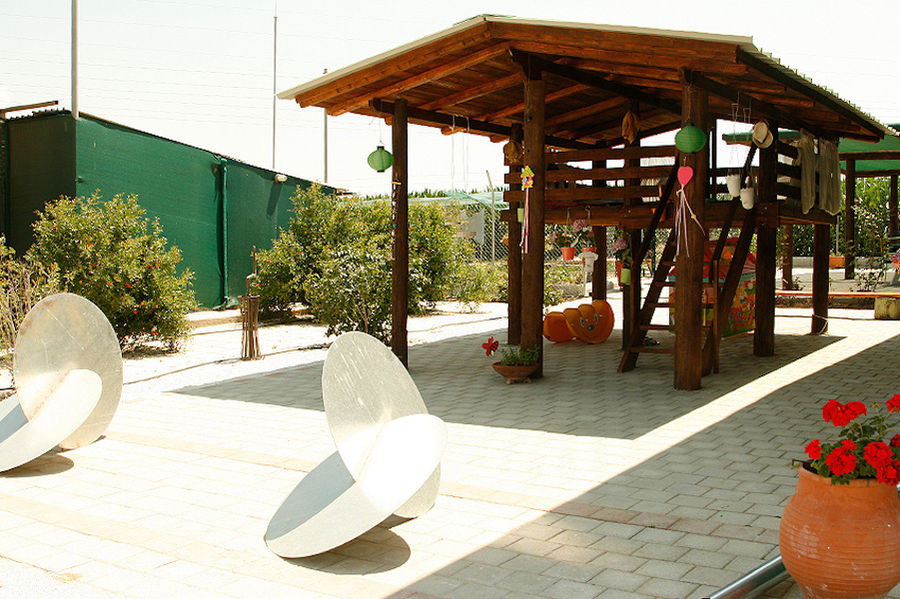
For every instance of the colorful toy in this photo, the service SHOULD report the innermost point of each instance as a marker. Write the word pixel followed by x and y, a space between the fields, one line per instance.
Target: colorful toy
pixel 556 328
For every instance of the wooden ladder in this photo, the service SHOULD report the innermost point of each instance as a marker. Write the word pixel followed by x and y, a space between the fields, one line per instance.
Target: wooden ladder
pixel 642 320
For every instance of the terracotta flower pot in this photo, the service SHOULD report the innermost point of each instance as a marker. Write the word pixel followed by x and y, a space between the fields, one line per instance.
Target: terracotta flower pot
pixel 841 541
pixel 568 253
pixel 835 261
pixel 514 374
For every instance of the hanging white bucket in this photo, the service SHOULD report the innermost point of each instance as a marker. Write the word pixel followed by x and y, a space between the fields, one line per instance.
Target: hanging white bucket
pixel 733 183
pixel 747 198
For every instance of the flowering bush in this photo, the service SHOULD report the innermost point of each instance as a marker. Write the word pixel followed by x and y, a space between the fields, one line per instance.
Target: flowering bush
pixel 111 254
pixel 862 451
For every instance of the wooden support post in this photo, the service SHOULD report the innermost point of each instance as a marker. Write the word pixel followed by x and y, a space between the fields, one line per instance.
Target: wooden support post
pixel 514 256
pixel 787 258
pixel 631 293
pixel 533 257
pixel 689 261
pixel 598 277
pixel 400 217
pixel 821 250
pixel 850 220
pixel 893 227
pixel 766 250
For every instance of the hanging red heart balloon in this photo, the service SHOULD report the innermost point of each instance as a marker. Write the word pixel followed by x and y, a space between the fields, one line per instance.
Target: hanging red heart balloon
pixel 685 174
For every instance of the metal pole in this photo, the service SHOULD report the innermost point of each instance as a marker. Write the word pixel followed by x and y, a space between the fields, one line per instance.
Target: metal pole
pixel 754 583
pixel 325 139
pixel 493 220
pixel 274 76
pixel 75 59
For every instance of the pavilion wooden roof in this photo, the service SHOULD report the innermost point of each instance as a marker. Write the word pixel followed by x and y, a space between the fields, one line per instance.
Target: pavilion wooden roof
pixel 469 78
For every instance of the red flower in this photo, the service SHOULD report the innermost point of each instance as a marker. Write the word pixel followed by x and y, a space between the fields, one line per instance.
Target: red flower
pixel 848 445
pixel 889 474
pixel 893 404
pixel 895 442
pixel 490 347
pixel 855 408
pixel 839 414
pixel 814 450
pixel 878 454
pixel 841 461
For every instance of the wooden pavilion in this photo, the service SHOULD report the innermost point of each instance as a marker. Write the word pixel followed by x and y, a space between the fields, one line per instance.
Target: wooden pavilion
pixel 575 101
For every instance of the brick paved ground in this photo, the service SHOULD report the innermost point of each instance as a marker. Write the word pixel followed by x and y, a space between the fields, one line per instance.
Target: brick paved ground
pixel 585 484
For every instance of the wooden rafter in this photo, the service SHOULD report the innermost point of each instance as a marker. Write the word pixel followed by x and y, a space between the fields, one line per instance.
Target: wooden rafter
pixel 592 79
pixel 789 82
pixel 759 106
pixel 373 74
pixel 441 119
pixel 590 109
pixel 520 106
pixel 475 91
pixel 441 70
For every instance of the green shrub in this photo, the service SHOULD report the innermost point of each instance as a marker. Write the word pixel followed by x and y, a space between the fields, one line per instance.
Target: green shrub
pixel 325 230
pixel 23 283
pixel 352 291
pixel 479 282
pixel 110 254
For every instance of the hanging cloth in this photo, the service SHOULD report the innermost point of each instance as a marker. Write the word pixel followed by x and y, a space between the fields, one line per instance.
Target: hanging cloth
pixel 829 168
pixel 806 158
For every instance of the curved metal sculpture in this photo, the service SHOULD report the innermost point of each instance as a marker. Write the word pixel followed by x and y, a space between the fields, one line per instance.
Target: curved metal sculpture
pixel 387 459
pixel 68 372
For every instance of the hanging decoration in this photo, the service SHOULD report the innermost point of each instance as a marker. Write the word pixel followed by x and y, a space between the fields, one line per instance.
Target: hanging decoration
pixel 690 139
pixel 380 159
pixel 685 174
pixel 527 184
pixel 762 136
pixel 631 125
pixel 491 346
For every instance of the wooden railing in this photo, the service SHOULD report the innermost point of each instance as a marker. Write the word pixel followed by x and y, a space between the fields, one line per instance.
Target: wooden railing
pixel 567 184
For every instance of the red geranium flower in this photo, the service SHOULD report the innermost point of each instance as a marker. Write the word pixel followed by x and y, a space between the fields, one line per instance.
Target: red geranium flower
pixel 895 442
pixel 878 454
pixel 839 414
pixel 841 461
pixel 889 474
pixel 814 449
pixel 855 408
pixel 893 404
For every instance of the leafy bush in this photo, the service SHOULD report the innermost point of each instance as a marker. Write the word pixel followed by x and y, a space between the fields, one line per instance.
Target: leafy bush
pixel 478 282
pixel 110 254
pixel 326 231
pixel 352 292
pixel 23 283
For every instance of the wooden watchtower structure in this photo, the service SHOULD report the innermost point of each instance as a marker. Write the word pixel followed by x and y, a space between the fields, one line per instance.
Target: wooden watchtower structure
pixel 580 99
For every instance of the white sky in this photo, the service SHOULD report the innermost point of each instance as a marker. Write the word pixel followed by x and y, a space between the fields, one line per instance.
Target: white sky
pixel 200 71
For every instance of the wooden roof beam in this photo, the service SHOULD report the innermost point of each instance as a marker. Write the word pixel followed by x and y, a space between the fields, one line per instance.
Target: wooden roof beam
pixel 560 47
pixel 472 125
pixel 519 107
pixel 398 87
pixel 761 107
pixel 593 109
pixel 773 73
pixel 473 92
pixel 593 80
pixel 373 73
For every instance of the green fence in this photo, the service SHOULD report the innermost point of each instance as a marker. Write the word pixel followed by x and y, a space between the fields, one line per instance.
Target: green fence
pixel 213 208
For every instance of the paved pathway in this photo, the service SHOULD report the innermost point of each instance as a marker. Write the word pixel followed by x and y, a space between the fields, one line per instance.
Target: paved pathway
pixel 586 483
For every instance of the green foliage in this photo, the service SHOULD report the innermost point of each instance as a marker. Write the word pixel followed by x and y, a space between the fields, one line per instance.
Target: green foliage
pixel 110 254
pixel 518 356
pixel 352 291
pixel 325 233
pixel 23 283
pixel 479 282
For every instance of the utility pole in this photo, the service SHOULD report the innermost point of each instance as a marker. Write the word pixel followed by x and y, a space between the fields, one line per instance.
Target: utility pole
pixel 325 129
pixel 274 75
pixel 74 59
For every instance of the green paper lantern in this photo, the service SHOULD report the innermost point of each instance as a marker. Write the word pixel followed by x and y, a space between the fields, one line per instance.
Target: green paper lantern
pixel 380 159
pixel 690 139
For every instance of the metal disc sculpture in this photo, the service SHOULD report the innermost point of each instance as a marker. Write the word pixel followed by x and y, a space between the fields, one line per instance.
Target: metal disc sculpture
pixel 387 460
pixel 68 372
